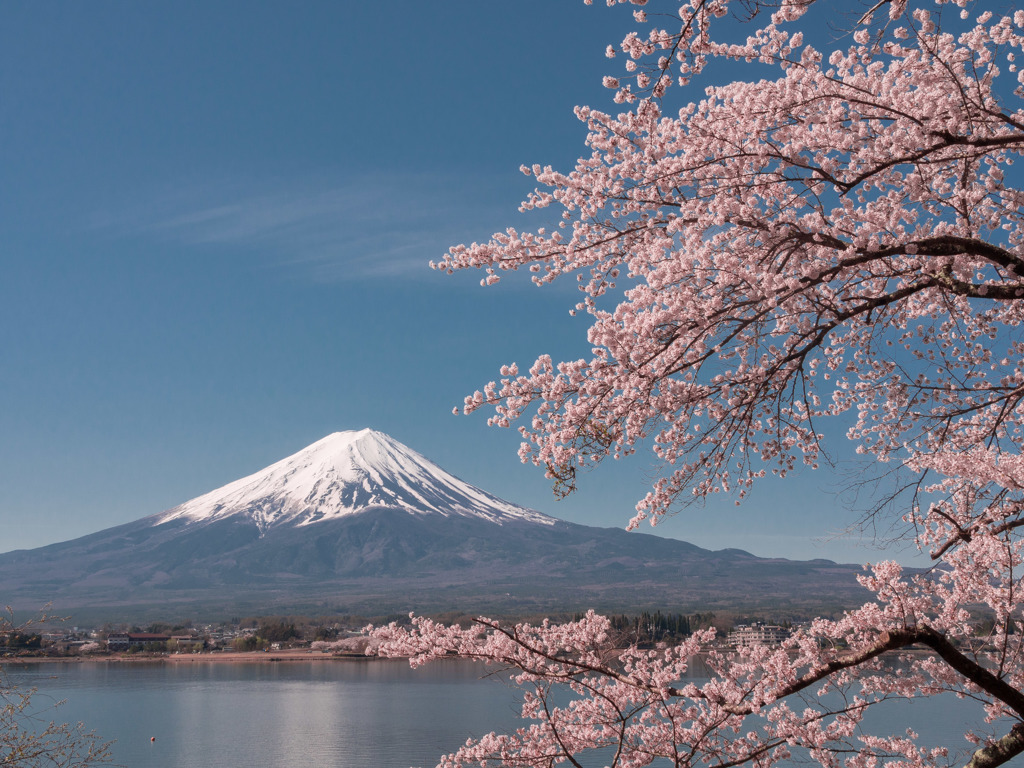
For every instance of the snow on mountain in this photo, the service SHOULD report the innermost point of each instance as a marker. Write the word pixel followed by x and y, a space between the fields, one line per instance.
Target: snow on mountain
pixel 343 474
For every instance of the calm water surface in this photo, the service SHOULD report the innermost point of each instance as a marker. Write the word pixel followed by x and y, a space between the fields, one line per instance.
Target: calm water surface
pixel 344 714
pixel 366 713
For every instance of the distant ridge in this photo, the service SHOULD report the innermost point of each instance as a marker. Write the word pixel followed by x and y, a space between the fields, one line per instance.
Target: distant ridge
pixel 359 523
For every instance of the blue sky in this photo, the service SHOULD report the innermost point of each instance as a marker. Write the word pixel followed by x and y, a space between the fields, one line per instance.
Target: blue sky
pixel 216 221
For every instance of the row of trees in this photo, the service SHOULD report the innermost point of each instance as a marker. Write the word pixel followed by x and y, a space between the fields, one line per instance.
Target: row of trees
pixel 835 235
pixel 269 632
pixel 647 628
pixel 21 641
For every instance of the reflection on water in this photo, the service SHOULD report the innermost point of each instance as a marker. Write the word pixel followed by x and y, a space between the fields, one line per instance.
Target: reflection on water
pixel 360 713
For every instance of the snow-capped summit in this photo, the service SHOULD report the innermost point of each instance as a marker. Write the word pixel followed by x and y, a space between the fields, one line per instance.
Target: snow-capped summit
pixel 344 474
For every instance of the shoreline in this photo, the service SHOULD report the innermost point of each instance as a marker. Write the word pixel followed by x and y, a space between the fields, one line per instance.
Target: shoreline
pixel 290 655
pixel 217 657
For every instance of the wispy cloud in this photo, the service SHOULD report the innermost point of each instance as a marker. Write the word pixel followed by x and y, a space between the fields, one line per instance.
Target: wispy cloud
pixel 385 227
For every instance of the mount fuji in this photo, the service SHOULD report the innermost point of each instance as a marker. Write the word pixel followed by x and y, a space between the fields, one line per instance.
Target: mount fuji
pixel 359 523
pixel 344 474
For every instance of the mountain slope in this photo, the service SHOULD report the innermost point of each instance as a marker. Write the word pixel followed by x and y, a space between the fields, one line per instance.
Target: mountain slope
pixel 357 522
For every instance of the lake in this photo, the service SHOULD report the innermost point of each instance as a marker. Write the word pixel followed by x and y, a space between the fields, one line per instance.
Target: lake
pixel 357 714
pixel 364 713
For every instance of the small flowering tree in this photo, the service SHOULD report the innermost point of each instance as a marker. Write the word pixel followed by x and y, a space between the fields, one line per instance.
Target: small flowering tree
pixel 838 235
pixel 30 738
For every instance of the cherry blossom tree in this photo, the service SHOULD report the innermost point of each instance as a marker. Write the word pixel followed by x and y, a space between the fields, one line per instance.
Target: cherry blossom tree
pixel 835 236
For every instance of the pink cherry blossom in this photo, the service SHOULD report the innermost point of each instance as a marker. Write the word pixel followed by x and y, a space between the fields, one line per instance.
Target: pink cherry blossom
pixel 842 240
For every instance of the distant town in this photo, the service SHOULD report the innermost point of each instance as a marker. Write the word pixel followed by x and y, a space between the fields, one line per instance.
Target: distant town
pixel 341 637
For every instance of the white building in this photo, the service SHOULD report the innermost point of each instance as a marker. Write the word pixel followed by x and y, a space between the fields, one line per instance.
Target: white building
pixel 744 635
